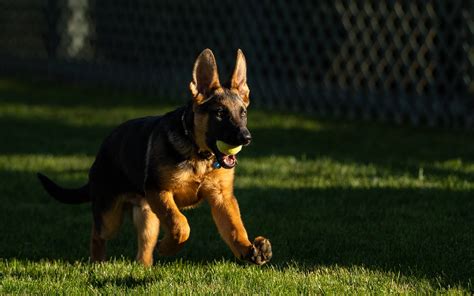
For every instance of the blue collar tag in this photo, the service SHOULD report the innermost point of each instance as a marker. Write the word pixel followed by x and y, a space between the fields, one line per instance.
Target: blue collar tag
pixel 216 165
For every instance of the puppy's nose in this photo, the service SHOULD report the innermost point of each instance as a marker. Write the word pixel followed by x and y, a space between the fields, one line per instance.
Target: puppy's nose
pixel 244 136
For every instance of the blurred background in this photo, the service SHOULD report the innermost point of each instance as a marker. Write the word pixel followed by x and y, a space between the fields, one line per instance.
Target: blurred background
pixel 397 61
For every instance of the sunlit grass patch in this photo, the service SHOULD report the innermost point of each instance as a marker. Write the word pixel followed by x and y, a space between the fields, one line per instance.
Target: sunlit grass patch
pixel 350 207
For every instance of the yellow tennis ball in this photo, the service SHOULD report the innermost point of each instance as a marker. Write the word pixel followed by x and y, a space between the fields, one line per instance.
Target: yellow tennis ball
pixel 228 149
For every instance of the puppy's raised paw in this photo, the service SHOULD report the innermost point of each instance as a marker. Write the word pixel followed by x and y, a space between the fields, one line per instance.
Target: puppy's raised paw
pixel 260 251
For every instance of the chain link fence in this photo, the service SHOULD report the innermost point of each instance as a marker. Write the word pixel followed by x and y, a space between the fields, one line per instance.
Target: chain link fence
pixel 390 60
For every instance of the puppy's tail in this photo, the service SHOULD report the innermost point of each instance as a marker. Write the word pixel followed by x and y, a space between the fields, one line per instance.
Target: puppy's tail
pixel 65 195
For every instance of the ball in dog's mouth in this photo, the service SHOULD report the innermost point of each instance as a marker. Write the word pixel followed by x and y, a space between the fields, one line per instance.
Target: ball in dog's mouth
pixel 228 149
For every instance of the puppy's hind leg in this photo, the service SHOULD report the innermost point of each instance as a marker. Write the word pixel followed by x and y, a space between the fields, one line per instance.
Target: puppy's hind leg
pixel 97 246
pixel 148 227
pixel 105 227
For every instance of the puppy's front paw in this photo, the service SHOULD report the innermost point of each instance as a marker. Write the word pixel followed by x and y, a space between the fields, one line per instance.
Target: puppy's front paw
pixel 260 251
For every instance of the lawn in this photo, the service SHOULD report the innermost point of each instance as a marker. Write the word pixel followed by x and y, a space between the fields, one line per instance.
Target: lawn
pixel 350 207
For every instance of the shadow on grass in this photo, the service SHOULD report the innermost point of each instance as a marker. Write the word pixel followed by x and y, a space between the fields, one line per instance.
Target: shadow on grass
pixel 48 94
pixel 364 143
pixel 48 137
pixel 123 281
pixel 355 141
pixel 395 147
pixel 423 233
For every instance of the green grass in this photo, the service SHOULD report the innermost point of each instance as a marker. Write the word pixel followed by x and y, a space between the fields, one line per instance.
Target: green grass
pixel 350 207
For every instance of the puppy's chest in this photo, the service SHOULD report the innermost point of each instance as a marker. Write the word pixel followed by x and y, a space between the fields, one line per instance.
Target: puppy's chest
pixel 186 181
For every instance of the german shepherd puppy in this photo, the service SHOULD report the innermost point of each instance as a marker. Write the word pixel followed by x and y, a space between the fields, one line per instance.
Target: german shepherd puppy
pixel 156 166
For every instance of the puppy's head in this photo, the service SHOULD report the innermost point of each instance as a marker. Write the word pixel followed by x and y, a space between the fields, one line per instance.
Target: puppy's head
pixel 220 112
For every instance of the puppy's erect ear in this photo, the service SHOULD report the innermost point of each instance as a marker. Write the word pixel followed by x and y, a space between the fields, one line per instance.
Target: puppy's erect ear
pixel 205 76
pixel 239 78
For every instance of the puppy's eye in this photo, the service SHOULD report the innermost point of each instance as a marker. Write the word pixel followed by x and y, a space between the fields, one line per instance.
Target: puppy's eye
pixel 243 113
